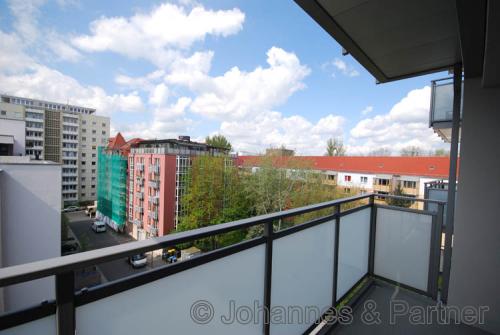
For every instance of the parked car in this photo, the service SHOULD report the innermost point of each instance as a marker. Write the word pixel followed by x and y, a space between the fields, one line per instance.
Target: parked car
pixel 99 226
pixel 69 247
pixel 71 209
pixel 171 255
pixel 138 261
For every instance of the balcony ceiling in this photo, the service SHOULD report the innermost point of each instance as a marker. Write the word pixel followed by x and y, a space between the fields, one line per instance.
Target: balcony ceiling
pixel 392 39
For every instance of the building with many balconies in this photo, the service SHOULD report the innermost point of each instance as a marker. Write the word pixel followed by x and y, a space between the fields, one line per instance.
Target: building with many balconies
pixel 156 183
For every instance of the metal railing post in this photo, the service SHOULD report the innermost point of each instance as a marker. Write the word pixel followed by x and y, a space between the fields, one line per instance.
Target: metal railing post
pixel 452 180
pixel 336 255
pixel 434 256
pixel 65 305
pixel 268 234
pixel 373 228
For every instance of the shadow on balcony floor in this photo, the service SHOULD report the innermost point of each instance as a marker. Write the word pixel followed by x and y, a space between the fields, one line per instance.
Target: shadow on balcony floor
pixel 382 294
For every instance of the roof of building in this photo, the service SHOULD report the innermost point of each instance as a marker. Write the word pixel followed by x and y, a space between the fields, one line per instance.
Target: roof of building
pixel 115 143
pixel 435 167
pixel 153 143
pixel 118 143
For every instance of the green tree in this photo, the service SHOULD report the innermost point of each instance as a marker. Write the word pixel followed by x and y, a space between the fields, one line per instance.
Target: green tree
pixel 411 151
pixel 398 191
pixel 335 147
pixel 219 141
pixel 213 195
pixel 441 153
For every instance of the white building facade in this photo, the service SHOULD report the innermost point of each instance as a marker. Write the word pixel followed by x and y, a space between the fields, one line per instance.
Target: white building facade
pixel 65 134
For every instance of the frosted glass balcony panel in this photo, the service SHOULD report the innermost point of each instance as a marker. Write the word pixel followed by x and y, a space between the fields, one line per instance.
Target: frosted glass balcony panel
pixel 302 276
pixel 402 247
pixel 43 326
pixel 354 243
pixel 165 306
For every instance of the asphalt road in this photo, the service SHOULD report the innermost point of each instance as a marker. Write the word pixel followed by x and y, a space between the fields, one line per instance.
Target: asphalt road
pixel 80 224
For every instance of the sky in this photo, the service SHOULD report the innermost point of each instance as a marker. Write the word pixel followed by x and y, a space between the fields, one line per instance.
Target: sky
pixel 262 73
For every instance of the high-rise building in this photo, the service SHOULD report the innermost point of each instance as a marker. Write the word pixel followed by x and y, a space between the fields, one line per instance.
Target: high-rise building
pixel 65 134
pixel 156 183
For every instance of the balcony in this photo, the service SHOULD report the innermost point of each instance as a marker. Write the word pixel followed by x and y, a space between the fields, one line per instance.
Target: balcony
pixel 155 200
pixel 154 184
pixel 140 195
pixel 341 256
pixel 441 111
pixel 140 167
pixel 155 168
pixel 139 209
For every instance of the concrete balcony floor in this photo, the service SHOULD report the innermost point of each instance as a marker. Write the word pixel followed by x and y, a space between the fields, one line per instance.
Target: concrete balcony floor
pixel 382 294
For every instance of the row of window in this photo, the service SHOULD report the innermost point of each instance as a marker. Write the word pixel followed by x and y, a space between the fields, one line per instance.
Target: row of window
pixel 378 181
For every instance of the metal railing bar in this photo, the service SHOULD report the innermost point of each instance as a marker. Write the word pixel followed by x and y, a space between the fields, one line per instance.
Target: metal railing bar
pixel 16 318
pixel 302 226
pixel 409 210
pixel 354 210
pixel 30 271
pixel 409 198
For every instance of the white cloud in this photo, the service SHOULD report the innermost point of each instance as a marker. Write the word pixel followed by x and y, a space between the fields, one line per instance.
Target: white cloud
pixel 272 129
pixel 367 110
pixel 61 49
pixel 337 65
pixel 26 14
pixel 158 35
pixel 406 124
pixel 238 94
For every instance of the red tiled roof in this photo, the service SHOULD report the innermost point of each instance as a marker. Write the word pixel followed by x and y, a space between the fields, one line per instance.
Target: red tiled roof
pixel 434 167
pixel 116 142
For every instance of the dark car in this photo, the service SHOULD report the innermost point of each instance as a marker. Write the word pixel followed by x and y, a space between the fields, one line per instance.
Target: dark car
pixel 171 255
pixel 69 247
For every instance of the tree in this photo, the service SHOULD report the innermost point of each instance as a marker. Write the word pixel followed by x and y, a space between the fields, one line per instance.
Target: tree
pixel 441 152
pixel 411 151
pixel 219 141
pixel 335 147
pixel 213 195
pixel 398 191
pixel 380 152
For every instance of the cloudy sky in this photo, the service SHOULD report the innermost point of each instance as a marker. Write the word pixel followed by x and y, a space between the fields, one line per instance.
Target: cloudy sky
pixel 260 72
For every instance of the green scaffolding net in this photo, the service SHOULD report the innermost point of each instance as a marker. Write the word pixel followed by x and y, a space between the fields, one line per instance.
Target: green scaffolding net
pixel 112 187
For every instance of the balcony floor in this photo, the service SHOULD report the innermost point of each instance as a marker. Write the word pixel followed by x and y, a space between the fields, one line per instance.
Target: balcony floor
pixel 382 294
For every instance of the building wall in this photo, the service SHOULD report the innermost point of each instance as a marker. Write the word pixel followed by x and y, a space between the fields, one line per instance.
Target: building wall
pixel 167 192
pixel 30 224
pixel 15 128
pixel 475 264
pixel 93 133
pixel 355 180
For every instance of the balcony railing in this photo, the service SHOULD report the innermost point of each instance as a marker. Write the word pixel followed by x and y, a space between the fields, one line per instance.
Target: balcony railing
pixel 441 111
pixel 316 263
pixel 154 184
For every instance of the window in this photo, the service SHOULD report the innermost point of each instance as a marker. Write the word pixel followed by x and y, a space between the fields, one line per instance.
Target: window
pixel 364 179
pixel 331 177
pixel 83 178
pixel 409 184
pixel 104 125
pixel 104 132
pixel 84 138
pixel 93 186
pixel 84 154
pixel 84 122
pixel 93 194
pixel 347 178
pixel 93 155
pixel 83 186
pixel 83 194
pixel 83 170
pixel 93 171
pixel 84 130
pixel 4 112
pixel 83 162
pixel 93 163
pixel 383 182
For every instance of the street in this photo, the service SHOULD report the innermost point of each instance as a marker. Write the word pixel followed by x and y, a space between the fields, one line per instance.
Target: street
pixel 80 224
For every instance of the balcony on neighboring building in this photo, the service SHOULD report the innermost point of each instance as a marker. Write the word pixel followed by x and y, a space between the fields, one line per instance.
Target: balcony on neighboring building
pixel 154 184
pixel 140 167
pixel 382 184
pixel 441 111
pixel 155 200
pixel 140 195
pixel 352 250
pixel 155 168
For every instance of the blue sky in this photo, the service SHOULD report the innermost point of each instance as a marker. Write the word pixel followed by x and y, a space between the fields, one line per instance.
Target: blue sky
pixel 260 72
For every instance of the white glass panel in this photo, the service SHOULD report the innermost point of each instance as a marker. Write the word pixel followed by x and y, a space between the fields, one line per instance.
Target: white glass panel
pixel 402 247
pixel 164 306
pixel 354 245
pixel 302 277
pixel 44 326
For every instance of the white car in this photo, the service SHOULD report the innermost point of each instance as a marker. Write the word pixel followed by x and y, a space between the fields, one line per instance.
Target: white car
pixel 138 261
pixel 71 209
pixel 99 226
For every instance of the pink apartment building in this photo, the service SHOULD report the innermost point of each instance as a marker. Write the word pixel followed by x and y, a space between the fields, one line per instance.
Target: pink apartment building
pixel 156 183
